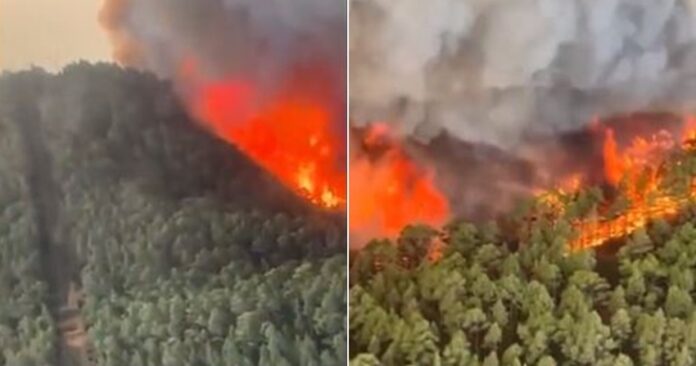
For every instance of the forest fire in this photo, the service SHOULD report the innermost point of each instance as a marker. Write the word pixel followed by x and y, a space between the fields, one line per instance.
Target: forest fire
pixel 291 135
pixel 635 171
pixel 267 78
pixel 389 189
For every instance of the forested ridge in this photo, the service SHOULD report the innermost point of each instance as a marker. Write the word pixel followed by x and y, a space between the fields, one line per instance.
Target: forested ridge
pixel 168 246
pixel 511 292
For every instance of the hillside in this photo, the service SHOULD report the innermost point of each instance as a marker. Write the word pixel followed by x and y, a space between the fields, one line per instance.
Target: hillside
pixel 134 237
pixel 523 292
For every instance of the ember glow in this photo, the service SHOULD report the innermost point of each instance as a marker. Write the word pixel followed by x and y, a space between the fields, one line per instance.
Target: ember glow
pixel 391 190
pixel 291 135
pixel 635 171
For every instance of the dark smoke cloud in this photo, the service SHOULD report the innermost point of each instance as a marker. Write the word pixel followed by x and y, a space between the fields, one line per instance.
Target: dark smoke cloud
pixel 498 71
pixel 265 41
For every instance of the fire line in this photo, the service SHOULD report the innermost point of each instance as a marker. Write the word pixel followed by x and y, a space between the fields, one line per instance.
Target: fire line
pixel 637 175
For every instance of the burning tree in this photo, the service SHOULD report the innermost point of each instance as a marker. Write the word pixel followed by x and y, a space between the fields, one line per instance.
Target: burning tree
pixel 541 294
pixel 653 177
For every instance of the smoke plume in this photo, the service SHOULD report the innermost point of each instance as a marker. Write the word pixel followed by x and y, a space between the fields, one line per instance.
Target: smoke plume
pixel 499 71
pixel 263 40
pixel 267 76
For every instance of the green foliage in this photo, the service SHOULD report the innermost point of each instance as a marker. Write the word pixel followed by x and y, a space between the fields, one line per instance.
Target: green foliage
pixel 484 303
pixel 185 252
pixel 27 330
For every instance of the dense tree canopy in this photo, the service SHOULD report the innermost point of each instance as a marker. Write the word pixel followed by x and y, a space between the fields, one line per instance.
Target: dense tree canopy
pixel 27 332
pixel 181 250
pixel 498 299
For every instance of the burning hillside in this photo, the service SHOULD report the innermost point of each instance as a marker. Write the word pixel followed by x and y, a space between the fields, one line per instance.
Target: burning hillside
pixel 115 202
pixel 291 135
pixel 642 189
pixel 268 78
pixel 624 156
pixel 579 306
pixel 490 131
pixel 564 125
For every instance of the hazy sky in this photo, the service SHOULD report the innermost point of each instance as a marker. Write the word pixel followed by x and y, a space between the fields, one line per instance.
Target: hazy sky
pixel 50 33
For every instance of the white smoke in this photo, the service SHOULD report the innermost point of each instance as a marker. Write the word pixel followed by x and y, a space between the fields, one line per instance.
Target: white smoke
pixel 496 71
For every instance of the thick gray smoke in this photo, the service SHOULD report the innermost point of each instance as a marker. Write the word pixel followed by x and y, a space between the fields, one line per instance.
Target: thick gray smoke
pixel 265 41
pixel 497 71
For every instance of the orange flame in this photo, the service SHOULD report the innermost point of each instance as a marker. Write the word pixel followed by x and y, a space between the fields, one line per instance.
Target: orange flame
pixel 290 134
pixel 393 191
pixel 635 171
pixel 292 130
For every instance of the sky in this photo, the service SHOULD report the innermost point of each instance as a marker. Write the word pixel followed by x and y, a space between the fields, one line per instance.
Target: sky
pixel 50 33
